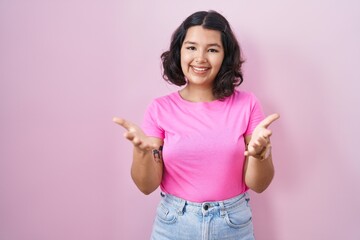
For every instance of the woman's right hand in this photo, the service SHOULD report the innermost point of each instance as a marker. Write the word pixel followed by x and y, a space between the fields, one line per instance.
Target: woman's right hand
pixel 136 135
pixel 147 174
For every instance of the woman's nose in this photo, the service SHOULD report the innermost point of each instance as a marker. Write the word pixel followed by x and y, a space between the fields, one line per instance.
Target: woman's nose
pixel 200 57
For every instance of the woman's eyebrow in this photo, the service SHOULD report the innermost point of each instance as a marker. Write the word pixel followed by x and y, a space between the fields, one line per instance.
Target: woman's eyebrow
pixel 214 45
pixel 189 42
pixel 209 45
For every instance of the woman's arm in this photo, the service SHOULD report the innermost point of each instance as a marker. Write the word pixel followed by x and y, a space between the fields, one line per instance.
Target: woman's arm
pixel 258 172
pixel 145 171
pixel 259 168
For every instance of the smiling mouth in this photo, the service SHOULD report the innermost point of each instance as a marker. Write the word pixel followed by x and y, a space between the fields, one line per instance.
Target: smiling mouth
pixel 200 69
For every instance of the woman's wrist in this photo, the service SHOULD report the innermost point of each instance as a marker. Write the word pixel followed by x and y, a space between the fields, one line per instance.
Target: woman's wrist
pixel 264 153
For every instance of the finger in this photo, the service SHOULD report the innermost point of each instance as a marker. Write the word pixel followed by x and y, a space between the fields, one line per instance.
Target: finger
pixel 136 141
pixel 261 142
pixel 264 137
pixel 254 151
pixel 246 153
pixel 266 133
pixel 129 136
pixel 249 153
pixel 122 122
pixel 145 145
pixel 256 144
pixel 251 150
pixel 269 120
pixel 151 145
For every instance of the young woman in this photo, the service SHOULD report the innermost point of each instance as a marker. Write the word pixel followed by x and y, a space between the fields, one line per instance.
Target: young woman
pixel 206 144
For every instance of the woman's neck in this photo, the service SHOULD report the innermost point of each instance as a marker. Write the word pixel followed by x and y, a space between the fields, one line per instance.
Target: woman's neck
pixel 194 94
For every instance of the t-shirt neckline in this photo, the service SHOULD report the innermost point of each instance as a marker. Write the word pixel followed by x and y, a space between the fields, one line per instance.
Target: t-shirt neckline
pixel 215 104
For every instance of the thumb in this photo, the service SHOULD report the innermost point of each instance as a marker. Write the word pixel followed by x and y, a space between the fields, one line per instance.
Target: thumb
pixel 122 122
pixel 269 120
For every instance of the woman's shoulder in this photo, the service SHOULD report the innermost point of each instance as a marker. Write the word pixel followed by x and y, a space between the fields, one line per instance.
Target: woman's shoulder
pixel 244 95
pixel 166 99
pixel 245 101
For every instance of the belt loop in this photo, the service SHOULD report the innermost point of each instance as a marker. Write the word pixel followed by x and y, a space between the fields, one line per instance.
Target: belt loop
pixel 247 199
pixel 222 209
pixel 182 204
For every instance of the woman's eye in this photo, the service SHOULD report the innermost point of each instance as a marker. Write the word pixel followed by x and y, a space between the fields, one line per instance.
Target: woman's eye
pixel 191 48
pixel 213 50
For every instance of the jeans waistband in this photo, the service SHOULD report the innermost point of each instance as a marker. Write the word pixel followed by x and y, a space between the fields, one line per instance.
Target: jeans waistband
pixel 223 206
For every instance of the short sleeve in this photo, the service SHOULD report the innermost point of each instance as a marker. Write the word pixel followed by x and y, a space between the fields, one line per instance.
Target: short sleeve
pixel 150 122
pixel 256 115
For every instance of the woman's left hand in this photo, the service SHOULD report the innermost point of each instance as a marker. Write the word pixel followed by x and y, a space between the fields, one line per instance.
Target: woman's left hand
pixel 260 138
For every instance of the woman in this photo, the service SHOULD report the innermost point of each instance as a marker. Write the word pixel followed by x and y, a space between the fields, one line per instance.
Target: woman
pixel 206 144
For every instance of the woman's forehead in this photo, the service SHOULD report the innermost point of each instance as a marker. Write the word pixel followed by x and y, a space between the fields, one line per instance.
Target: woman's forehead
pixel 200 35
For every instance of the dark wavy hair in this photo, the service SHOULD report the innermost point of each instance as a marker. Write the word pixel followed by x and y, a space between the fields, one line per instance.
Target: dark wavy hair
pixel 229 75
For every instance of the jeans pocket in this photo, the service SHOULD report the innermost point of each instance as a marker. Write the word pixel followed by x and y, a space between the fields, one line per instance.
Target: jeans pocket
pixel 166 214
pixel 240 216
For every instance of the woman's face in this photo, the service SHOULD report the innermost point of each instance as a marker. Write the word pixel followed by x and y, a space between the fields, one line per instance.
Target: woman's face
pixel 201 55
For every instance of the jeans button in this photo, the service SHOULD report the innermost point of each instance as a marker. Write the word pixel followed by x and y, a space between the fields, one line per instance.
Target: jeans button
pixel 206 207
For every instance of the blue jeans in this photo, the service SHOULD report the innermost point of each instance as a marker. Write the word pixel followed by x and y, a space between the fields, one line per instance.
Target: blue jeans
pixel 178 219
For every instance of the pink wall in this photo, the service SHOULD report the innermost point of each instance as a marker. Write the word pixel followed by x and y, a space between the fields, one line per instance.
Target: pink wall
pixel 68 67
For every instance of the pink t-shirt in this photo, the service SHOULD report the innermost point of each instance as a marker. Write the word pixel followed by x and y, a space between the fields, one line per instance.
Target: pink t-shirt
pixel 204 144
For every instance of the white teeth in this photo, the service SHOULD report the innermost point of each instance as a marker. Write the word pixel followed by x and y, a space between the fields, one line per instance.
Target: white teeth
pixel 200 69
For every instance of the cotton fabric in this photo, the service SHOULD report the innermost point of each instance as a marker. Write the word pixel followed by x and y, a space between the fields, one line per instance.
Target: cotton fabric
pixel 204 144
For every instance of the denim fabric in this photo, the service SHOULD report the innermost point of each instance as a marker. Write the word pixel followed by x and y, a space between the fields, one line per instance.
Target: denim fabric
pixel 178 219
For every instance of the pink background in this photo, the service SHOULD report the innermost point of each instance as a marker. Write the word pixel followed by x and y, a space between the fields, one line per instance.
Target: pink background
pixel 67 67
